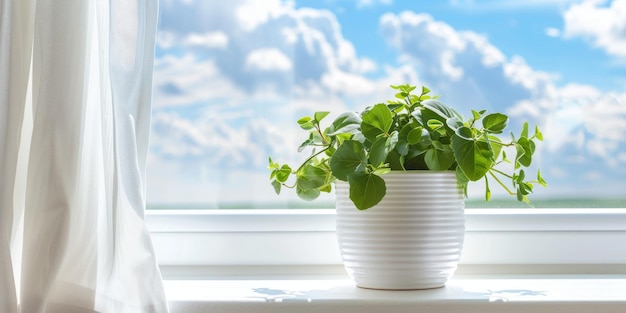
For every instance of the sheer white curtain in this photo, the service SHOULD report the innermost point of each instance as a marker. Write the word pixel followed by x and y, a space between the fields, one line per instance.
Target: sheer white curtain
pixel 74 132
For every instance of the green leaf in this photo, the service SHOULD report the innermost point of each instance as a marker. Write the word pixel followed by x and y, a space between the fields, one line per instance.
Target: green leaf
pixel 326 188
pixel 283 173
pixel 465 133
pixel 438 145
pixel 319 116
pixel 276 186
pixel 305 123
pixel 349 157
pixel 382 171
pixel 439 160
pixel 454 123
pixel 529 186
pixel 366 190
pixel 525 188
pixel 496 146
pixel 495 123
pixel 311 177
pixel 434 124
pixel 504 158
pixel 524 132
pixel 435 109
pixel 538 133
pixel 396 160
pixel 475 115
pixel 345 123
pixel 520 177
pixel 378 153
pixel 525 149
pixel 358 136
pixel 405 137
pixel 426 139
pixel 330 151
pixel 307 143
pixel 376 121
pixel 487 190
pixel 273 165
pixel 402 148
pixel 540 179
pixel 425 90
pixel 401 95
pixel 475 157
pixel 307 194
pixel 415 135
pixel 395 107
pixel 380 149
pixel 519 155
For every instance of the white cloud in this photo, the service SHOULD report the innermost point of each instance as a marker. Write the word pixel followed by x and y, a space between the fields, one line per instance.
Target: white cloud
pixel 369 3
pixel 442 42
pixel 253 13
pixel 280 49
pixel 537 82
pixel 221 137
pixel 605 121
pixel 497 5
pixel 604 26
pixel 583 120
pixel 166 39
pixel 215 39
pixel 185 80
pixel 583 126
pixel 594 176
pixel 461 65
pixel 490 55
pixel 553 32
pixel 211 40
pixel 308 64
pixel 268 59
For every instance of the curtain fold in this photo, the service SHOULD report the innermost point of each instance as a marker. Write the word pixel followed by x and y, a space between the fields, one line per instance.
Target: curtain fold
pixel 81 132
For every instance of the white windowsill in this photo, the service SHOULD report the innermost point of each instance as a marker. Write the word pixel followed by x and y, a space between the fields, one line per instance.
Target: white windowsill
pixel 287 261
pixel 511 294
pixel 295 238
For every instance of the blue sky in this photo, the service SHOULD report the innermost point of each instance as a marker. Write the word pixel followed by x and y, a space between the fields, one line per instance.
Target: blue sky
pixel 232 77
pixel 515 27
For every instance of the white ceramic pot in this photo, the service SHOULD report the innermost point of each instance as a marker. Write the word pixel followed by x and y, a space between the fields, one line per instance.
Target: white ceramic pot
pixel 412 239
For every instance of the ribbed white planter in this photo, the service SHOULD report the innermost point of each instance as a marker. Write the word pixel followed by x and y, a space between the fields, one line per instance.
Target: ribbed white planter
pixel 412 239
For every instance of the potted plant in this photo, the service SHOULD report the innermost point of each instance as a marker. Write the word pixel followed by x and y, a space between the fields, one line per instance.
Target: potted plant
pixel 401 171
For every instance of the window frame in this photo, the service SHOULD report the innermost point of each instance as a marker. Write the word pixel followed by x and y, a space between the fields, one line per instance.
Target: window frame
pixel 198 242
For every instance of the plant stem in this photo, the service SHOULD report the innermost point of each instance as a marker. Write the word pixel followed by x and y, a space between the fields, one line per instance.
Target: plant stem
pixel 311 158
pixel 502 143
pixel 319 131
pixel 501 173
pixel 500 182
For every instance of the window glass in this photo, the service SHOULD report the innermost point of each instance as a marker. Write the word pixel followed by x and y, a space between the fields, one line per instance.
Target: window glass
pixel 232 77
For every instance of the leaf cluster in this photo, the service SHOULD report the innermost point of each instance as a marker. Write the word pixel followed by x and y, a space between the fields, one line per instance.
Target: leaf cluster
pixel 411 132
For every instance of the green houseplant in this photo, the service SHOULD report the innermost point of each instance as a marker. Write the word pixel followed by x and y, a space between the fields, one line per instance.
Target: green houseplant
pixel 407 163
pixel 411 132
